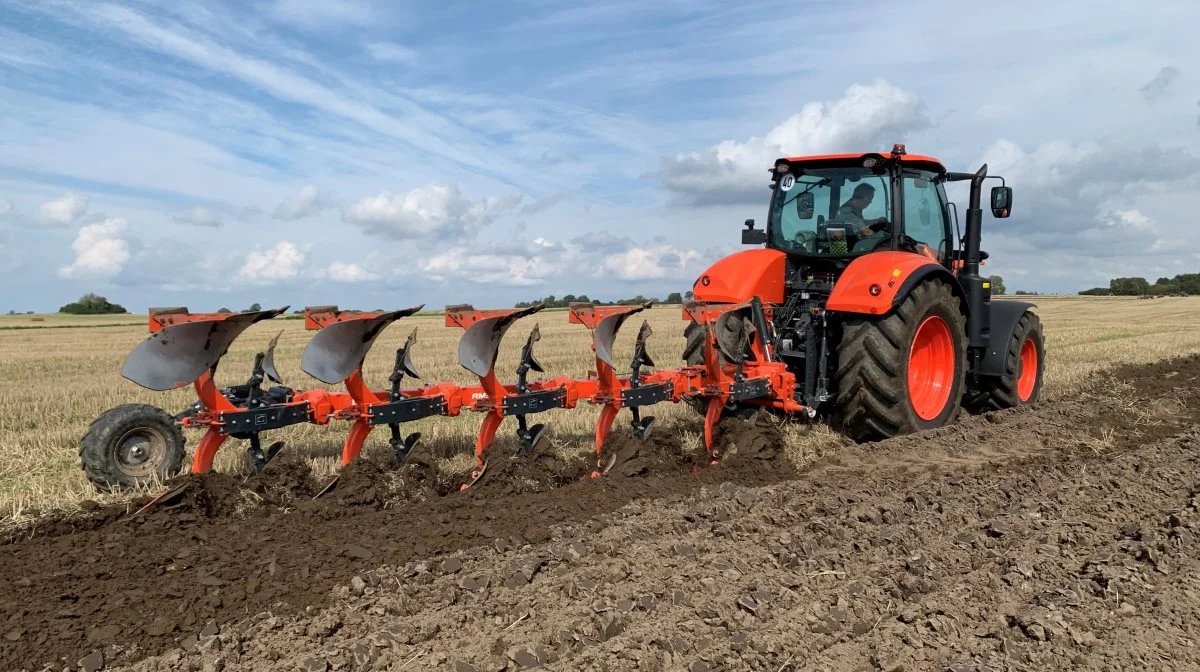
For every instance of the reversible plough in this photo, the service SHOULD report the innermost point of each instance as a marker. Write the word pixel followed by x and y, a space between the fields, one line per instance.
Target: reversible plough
pixel 185 348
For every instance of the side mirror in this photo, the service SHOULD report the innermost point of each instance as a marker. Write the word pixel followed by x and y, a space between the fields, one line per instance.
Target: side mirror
pixel 753 236
pixel 804 205
pixel 1001 201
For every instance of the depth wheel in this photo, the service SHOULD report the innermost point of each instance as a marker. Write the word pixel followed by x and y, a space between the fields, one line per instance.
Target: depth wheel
pixel 906 371
pixel 131 445
pixel 1024 368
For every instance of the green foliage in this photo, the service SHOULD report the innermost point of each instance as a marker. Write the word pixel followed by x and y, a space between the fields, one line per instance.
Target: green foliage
pixel 997 282
pixel 254 306
pixel 674 297
pixel 1128 286
pixel 1096 291
pixel 92 304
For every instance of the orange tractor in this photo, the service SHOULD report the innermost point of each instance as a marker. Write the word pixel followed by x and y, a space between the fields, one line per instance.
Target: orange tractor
pixel 861 305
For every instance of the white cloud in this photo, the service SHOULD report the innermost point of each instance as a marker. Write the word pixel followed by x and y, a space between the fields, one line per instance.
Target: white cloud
pixel 100 251
pixel 5 207
pixel 867 117
pixel 652 263
pixel 567 264
pixel 281 262
pixel 63 211
pixel 308 201
pixel 198 216
pixel 350 273
pixel 427 211
pixel 392 52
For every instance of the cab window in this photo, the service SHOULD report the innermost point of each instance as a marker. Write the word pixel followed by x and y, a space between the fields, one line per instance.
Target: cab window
pixel 924 214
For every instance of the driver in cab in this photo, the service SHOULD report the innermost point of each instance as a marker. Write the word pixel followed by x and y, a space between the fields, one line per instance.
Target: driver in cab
pixel 851 211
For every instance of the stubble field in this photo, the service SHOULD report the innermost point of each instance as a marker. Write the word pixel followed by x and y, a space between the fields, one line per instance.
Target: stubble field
pixel 1057 536
pixel 58 373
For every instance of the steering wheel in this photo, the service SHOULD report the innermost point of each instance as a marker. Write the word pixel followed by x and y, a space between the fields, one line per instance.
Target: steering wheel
pixel 807 240
pixel 878 225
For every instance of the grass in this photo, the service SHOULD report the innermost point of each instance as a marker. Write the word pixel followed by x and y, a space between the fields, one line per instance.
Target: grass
pixel 55 381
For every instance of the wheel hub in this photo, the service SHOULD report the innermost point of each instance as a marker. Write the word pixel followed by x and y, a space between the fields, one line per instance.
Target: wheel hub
pixel 140 452
pixel 135 451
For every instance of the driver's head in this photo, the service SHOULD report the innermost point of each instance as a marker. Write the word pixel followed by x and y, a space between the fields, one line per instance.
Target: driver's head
pixel 863 195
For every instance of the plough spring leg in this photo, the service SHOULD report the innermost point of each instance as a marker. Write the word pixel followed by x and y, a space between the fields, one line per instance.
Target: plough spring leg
pixel 607 415
pixel 711 416
pixel 354 440
pixel 487 433
pixel 207 450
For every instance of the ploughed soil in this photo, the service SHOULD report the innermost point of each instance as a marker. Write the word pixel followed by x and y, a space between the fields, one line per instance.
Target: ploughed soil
pixel 1061 535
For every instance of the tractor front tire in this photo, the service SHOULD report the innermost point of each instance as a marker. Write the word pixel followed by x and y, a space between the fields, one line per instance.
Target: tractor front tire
pixel 1024 368
pixel 130 446
pixel 905 371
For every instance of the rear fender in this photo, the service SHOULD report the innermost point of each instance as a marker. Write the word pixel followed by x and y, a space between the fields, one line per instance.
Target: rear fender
pixel 876 283
pixel 1005 315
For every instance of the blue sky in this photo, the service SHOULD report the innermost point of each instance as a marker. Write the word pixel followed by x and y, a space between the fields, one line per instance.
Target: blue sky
pixel 384 154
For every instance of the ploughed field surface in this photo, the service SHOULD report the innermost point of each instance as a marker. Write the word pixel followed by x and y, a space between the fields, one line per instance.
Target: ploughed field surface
pixel 1058 536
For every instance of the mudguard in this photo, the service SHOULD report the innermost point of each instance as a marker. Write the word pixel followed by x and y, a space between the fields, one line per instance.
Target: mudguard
pixel 741 275
pixel 177 355
pixel 1005 315
pixel 339 348
pixel 892 274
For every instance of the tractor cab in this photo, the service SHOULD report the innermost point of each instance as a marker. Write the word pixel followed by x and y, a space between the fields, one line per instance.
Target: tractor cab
pixel 842 206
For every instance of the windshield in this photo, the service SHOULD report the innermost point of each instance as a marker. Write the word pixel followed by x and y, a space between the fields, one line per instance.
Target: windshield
pixel 830 212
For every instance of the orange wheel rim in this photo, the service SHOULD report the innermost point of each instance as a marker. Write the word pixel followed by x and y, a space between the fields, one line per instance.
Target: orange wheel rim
pixel 931 368
pixel 1027 378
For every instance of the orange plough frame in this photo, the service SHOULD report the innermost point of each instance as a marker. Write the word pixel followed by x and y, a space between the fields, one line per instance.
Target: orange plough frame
pixel 732 375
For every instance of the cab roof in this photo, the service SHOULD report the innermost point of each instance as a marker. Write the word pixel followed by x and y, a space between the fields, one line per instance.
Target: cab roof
pixel 917 160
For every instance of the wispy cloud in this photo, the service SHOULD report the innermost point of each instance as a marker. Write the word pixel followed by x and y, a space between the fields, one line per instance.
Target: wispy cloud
pixel 320 14
pixel 1160 85
pixel 198 216
pixel 392 52
pixel 307 202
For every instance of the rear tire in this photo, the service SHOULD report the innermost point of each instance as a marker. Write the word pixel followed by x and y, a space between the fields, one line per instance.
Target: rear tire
pixel 1025 366
pixel 131 445
pixel 906 371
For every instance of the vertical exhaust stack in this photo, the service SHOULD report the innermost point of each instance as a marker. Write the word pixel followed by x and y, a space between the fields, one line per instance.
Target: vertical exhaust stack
pixel 978 294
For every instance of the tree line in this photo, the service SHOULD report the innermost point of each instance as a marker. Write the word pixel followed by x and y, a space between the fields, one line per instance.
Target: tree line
pixel 1184 284
pixel 553 301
